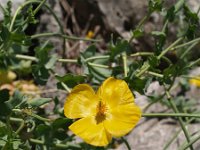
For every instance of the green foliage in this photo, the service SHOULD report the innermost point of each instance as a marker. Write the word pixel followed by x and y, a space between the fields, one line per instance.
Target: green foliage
pixel 70 80
pixel 24 121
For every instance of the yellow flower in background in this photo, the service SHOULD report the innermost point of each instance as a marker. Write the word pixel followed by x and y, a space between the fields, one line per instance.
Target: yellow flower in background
pixel 109 112
pixel 195 81
pixel 7 76
pixel 90 34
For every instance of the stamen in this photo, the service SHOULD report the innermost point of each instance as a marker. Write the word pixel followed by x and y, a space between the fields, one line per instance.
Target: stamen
pixel 101 112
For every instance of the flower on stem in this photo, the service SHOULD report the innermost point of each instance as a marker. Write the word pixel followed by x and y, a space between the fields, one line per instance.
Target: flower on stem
pixel 110 111
pixel 195 82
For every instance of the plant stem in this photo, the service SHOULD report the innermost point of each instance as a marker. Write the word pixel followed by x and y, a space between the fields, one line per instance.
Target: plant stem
pixel 68 60
pixel 189 144
pixel 175 136
pixel 30 113
pixel 170 115
pixel 185 44
pixel 63 36
pixel 187 50
pixel 66 87
pixel 61 60
pixel 18 120
pixel 97 57
pixel 67 145
pixel 169 48
pixel 98 65
pixel 26 57
pixel 39 6
pixel 126 143
pixel 179 118
pixel 194 63
pixel 124 58
pixel 146 65
pixel 140 25
pixel 191 77
pixel 18 10
pixel 155 74
pixel 150 54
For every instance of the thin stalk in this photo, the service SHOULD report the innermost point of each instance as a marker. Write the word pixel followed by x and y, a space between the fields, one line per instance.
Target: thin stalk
pixel 185 44
pixel 150 115
pixel 98 65
pixel 140 25
pixel 155 74
pixel 39 7
pixel 19 9
pixel 68 60
pixel 30 113
pixel 67 145
pixel 165 26
pixel 63 36
pixel 126 143
pixel 124 58
pixel 189 144
pixel 60 26
pixel 66 87
pixel 194 63
pixel 191 77
pixel 97 57
pixel 175 136
pixel 187 50
pixel 179 118
pixel 147 66
pixel 31 58
pixel 19 120
pixel 61 60
pixel 35 11
pixel 150 54
pixel 169 48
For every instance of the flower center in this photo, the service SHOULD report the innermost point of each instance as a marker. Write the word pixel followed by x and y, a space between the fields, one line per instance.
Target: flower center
pixel 100 112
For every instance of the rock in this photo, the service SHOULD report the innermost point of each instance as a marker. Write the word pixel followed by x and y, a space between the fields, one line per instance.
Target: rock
pixel 153 135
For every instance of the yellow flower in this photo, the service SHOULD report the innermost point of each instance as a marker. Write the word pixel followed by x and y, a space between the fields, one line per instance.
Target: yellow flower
pixel 6 76
pixel 109 112
pixel 90 34
pixel 195 81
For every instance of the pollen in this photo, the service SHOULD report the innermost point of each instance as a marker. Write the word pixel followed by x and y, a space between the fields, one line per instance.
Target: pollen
pixel 101 110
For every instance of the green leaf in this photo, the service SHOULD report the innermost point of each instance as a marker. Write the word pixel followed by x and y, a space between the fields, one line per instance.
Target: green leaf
pixel 43 129
pixel 153 61
pixel 36 102
pixel 192 20
pixel 120 47
pixel 89 52
pixel 61 123
pixel 17 101
pixel 3 129
pixel 4 94
pixel 138 33
pixel 41 74
pixel 137 84
pixel 158 33
pixel 50 64
pixel 21 39
pixel 5 34
pixel 71 80
pixel 42 53
pixel 155 5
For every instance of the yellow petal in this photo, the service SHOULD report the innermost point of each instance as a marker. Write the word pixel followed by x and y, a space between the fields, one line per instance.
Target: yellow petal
pixel 195 82
pixel 115 92
pixel 122 119
pixel 91 132
pixel 81 102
